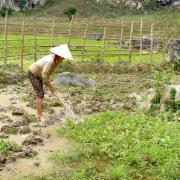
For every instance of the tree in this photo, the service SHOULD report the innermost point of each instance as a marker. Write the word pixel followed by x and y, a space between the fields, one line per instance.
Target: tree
pixel 4 9
pixel 21 4
pixel 70 11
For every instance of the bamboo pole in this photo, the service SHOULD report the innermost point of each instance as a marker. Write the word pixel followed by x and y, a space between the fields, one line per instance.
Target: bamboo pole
pixel 52 34
pixel 22 46
pixel 104 43
pixel 5 38
pixel 164 41
pixel 35 40
pixel 130 41
pixel 141 30
pixel 122 31
pixel 70 29
pixel 84 41
pixel 151 48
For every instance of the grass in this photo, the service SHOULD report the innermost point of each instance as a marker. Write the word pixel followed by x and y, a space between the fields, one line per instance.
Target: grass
pixel 6 147
pixel 118 146
pixel 15 50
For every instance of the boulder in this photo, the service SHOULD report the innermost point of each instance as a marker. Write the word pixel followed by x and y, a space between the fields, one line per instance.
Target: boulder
pixel 5 119
pixel 9 129
pixel 96 36
pixel 32 140
pixel 24 130
pixel 174 52
pixel 69 79
pixel 18 111
pixel 170 93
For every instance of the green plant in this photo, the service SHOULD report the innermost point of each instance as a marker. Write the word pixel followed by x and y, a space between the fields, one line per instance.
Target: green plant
pixel 4 9
pixel 6 148
pixel 151 5
pixel 173 93
pixel 162 78
pixel 122 146
pixel 70 11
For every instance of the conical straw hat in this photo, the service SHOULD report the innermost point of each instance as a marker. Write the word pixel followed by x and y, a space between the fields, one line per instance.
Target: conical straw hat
pixel 62 51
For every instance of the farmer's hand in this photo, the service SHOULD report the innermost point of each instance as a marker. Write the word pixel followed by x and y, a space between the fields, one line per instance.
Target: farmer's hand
pixel 52 88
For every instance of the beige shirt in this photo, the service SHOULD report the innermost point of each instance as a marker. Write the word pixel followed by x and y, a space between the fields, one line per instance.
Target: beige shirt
pixel 44 67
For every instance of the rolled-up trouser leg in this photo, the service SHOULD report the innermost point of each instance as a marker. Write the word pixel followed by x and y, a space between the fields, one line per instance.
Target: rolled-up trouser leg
pixel 37 84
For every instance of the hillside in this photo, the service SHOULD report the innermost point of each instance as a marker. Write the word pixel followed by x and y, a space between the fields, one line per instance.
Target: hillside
pixel 99 8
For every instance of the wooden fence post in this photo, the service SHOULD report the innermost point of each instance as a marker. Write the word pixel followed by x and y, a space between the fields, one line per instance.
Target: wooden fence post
pixel 141 43
pixel 164 41
pixel 84 42
pixel 130 41
pixel 22 46
pixel 151 49
pixel 104 43
pixel 121 37
pixel 5 38
pixel 52 34
pixel 122 31
pixel 70 29
pixel 35 40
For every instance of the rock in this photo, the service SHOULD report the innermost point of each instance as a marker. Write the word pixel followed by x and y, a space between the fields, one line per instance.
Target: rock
pixel 138 98
pixel 2 109
pixel 69 79
pixel 174 52
pixel 147 103
pixel 11 158
pixel 18 111
pixel 32 140
pixel 29 118
pixel 96 36
pixel 3 135
pixel 5 119
pixel 176 4
pixel 24 130
pixel 36 164
pixel 20 123
pixel 29 152
pixel 9 129
pixel 2 158
pixel 169 94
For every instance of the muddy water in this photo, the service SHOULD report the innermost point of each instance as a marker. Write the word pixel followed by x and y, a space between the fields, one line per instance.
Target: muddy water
pixel 24 167
pixel 40 163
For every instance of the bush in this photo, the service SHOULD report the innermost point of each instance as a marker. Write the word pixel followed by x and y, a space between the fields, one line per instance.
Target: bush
pixel 5 9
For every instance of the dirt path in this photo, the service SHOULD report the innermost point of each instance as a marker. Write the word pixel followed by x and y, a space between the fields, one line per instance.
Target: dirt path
pixel 51 143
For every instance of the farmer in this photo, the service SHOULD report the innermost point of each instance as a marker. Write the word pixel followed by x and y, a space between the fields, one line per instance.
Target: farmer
pixel 40 71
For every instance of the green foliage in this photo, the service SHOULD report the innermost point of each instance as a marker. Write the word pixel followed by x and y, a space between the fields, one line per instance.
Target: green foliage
pixel 173 93
pixel 70 11
pixel 4 9
pixel 151 5
pixel 21 4
pixel 161 79
pixel 6 148
pixel 134 145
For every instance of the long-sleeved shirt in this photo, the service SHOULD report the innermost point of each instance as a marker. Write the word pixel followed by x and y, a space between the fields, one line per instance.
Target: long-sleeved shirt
pixel 44 67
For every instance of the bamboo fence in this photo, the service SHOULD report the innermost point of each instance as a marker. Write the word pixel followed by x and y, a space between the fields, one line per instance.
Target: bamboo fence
pixel 114 41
